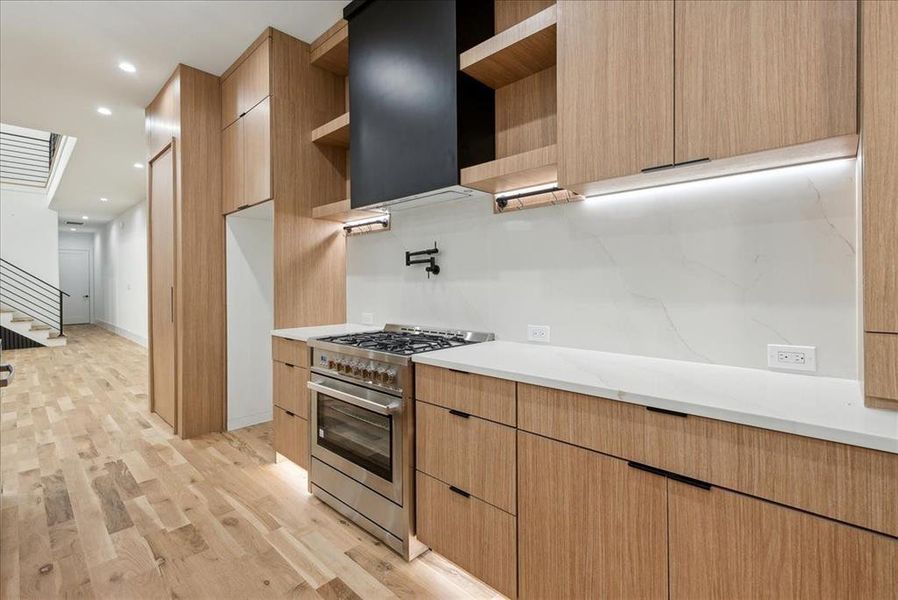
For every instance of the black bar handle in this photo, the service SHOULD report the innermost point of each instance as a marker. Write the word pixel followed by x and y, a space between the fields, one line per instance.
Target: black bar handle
pixel 242 206
pixel 666 411
pixel 290 413
pixel 458 491
pixel 459 413
pixel 692 162
pixel 457 371
pixel 290 365
pixel 658 168
pixel 675 476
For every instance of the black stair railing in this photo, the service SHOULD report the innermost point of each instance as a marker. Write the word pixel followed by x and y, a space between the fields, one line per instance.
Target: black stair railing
pixel 30 295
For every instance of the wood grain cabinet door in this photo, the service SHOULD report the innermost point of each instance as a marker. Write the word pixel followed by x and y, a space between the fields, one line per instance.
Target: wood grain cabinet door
pixel 291 436
pixel 232 167
pixel 257 153
pixel 589 526
pixel 255 77
pixel 729 546
pixel 756 75
pixel 230 101
pixel 163 336
pixel 879 85
pixel 615 89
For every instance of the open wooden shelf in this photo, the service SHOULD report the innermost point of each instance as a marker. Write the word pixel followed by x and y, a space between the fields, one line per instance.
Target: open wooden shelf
pixel 331 50
pixel 535 167
pixel 342 212
pixel 333 133
pixel 513 54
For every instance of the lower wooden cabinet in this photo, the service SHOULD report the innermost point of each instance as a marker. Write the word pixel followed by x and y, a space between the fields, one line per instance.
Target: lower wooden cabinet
pixel 639 504
pixel 291 399
pixel 727 545
pixel 589 526
pixel 293 352
pixel 291 436
pixel 475 535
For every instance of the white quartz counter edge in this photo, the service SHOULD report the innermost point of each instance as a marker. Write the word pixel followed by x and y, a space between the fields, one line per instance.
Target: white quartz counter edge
pixel 304 334
pixel 819 407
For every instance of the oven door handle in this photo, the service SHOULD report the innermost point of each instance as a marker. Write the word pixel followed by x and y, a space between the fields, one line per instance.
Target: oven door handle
pixel 380 409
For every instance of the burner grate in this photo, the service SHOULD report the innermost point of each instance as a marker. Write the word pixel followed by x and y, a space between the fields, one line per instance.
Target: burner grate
pixel 392 342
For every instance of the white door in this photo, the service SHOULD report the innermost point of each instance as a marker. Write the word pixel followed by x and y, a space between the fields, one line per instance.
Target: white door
pixel 74 280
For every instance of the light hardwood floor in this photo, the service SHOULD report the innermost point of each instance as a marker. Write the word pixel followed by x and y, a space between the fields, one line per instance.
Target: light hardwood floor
pixel 100 500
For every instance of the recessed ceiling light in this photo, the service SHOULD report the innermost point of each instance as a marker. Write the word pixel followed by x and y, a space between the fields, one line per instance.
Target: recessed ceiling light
pixel 84 217
pixel 72 229
pixel 104 199
pixel 104 111
pixel 127 67
pixel 138 165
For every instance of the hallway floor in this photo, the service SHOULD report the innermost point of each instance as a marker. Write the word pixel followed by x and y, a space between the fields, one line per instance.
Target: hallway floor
pixel 100 500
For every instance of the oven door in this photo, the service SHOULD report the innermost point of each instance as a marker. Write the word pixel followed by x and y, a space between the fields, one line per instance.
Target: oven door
pixel 358 432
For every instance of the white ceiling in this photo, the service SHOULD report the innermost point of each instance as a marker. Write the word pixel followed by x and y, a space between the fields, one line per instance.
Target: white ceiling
pixel 59 62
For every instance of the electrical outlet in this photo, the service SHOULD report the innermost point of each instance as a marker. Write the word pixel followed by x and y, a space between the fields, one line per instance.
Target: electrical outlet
pixel 792 358
pixel 367 318
pixel 538 333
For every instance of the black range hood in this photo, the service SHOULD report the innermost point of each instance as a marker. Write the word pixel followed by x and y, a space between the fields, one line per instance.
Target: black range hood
pixel 416 119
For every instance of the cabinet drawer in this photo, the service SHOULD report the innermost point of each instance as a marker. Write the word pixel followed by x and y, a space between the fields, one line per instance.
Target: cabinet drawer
pixel 291 437
pixel 292 352
pixel 473 454
pixel 851 484
pixel 596 423
pixel 477 395
pixel 848 483
pixel 476 536
pixel 290 391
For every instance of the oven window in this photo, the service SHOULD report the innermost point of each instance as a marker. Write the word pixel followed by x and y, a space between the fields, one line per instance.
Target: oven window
pixel 358 435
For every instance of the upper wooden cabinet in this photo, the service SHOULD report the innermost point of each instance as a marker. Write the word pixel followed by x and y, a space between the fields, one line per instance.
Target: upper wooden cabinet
pixel 246 159
pixel 246 83
pixel 278 98
pixel 615 89
pixel 758 75
pixel 659 92
pixel 257 153
pixel 232 166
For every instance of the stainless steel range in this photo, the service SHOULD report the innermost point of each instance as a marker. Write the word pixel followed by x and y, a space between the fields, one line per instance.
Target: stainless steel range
pixel 363 425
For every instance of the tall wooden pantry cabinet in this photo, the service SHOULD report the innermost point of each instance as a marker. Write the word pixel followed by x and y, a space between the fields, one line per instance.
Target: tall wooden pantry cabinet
pixel 186 253
pixel 879 132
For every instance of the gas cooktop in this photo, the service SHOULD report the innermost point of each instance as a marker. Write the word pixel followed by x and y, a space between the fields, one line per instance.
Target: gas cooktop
pixel 406 340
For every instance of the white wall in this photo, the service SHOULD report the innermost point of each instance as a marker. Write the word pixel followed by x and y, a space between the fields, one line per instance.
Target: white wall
pixel 86 241
pixel 250 295
pixel 707 271
pixel 28 233
pixel 121 249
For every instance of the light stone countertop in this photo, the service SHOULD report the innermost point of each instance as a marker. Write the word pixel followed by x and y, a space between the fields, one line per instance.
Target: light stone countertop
pixel 304 334
pixel 819 407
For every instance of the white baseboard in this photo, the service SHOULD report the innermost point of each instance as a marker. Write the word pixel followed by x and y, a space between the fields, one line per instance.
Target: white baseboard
pixel 253 419
pixel 137 339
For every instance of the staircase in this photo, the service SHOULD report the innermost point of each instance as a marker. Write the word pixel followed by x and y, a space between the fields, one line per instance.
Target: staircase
pixel 30 309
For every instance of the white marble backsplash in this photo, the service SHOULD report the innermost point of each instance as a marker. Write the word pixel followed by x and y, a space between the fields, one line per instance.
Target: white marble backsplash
pixel 708 271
